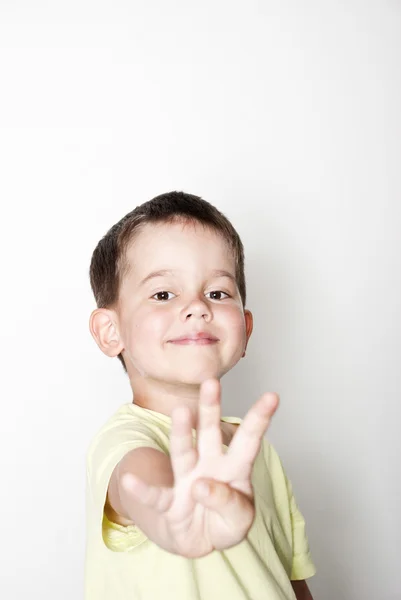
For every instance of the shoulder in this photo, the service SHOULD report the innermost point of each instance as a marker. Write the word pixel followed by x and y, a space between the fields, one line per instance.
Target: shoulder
pixel 126 429
pixel 128 420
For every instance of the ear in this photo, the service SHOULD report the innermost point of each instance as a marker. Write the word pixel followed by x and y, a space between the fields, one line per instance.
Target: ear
pixel 248 326
pixel 102 325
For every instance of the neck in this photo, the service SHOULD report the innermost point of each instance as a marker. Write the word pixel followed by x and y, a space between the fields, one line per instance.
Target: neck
pixel 163 397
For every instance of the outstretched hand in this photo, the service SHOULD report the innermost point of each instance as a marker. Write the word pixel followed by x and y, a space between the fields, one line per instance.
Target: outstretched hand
pixel 211 505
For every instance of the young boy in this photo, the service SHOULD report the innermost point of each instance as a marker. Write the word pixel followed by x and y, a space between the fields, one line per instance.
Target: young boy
pixel 181 502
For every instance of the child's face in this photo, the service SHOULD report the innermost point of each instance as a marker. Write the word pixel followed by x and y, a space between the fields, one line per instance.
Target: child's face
pixel 181 284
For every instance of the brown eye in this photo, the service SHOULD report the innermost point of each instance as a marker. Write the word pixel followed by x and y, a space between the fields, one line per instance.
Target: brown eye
pixel 217 295
pixel 163 296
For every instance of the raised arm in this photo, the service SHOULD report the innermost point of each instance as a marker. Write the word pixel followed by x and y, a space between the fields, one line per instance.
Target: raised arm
pixel 201 499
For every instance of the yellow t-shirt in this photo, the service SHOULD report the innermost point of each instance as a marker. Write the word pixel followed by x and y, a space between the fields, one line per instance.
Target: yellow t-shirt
pixel 123 564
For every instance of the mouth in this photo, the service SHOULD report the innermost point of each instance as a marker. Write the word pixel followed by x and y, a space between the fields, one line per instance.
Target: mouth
pixel 195 339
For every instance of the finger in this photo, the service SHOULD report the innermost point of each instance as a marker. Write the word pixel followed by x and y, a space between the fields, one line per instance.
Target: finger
pixel 209 428
pixel 182 452
pixel 247 439
pixel 155 497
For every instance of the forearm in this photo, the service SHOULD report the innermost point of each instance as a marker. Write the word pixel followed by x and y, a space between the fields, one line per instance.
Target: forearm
pixel 151 467
pixel 301 590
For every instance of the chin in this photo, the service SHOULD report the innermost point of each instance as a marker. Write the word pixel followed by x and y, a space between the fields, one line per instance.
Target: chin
pixel 198 376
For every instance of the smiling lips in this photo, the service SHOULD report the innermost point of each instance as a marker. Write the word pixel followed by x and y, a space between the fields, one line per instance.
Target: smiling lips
pixel 195 339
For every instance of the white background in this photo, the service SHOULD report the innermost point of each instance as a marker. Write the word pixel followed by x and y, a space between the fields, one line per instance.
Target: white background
pixel 286 115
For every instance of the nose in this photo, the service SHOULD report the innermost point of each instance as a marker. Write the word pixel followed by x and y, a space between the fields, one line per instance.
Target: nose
pixel 198 308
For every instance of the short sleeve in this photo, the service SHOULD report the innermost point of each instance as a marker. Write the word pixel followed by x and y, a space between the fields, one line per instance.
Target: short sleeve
pixel 302 564
pixel 105 452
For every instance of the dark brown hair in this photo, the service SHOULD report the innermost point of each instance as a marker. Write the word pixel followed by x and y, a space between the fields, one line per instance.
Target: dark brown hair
pixel 109 263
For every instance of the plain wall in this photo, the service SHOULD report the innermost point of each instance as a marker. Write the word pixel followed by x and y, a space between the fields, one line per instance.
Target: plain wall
pixel 286 115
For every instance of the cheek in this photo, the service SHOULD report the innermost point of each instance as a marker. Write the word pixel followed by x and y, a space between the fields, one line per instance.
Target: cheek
pixel 149 325
pixel 234 321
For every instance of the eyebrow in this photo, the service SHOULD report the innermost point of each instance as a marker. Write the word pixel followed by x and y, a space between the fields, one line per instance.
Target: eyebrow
pixel 164 272
pixel 222 273
pixel 154 274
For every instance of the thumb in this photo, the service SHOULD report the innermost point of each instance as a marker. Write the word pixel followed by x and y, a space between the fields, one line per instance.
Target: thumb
pixel 156 497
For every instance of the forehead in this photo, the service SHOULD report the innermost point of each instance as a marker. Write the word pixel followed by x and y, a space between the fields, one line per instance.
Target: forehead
pixel 180 246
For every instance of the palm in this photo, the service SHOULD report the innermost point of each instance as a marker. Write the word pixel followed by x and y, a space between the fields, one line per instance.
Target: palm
pixel 197 525
pixel 201 528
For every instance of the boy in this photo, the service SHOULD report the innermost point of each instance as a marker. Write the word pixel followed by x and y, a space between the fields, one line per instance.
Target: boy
pixel 182 503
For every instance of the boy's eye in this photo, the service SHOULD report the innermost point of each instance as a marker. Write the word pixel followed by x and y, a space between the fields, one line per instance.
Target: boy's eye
pixel 163 296
pixel 217 295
